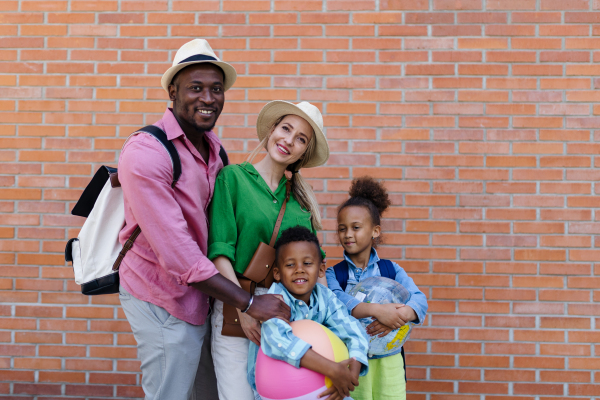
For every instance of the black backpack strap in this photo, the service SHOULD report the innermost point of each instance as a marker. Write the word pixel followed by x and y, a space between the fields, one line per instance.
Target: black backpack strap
pixel 161 136
pixel 224 158
pixel 387 269
pixel 341 274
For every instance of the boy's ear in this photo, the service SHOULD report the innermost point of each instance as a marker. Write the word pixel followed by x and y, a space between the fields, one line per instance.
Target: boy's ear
pixel 322 269
pixel 276 274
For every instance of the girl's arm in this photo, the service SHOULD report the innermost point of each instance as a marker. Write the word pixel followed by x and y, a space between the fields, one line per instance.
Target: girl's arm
pixel 418 300
pixel 332 283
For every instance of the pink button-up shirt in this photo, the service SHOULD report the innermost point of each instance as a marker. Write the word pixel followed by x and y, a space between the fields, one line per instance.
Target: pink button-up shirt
pixel 170 253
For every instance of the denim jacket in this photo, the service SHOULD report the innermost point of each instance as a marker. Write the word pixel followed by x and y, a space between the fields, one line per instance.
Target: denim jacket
pixel 417 302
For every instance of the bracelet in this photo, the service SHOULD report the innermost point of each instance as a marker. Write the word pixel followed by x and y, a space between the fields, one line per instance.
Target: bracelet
pixel 249 304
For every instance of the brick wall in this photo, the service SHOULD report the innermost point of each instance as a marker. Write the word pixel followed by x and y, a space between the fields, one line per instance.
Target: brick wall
pixel 480 114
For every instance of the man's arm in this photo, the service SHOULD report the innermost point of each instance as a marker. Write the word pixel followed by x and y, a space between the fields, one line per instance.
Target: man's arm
pixel 153 205
pixel 263 307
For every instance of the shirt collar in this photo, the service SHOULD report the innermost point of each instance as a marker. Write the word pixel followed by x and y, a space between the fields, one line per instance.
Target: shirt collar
pixel 292 300
pixel 373 258
pixel 252 170
pixel 173 130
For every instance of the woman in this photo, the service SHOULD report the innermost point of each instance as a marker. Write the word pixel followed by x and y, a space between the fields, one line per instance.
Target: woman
pixel 246 202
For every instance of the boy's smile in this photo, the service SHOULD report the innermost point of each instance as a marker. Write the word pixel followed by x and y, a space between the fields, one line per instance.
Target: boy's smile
pixel 298 267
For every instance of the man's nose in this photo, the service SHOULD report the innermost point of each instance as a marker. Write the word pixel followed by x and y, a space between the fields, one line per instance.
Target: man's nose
pixel 206 96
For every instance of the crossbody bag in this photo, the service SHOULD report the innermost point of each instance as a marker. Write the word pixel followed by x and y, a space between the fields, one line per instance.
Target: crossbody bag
pixel 259 272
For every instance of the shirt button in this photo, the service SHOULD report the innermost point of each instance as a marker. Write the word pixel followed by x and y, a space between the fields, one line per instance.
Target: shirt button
pixel 293 353
pixel 300 302
pixel 275 201
pixel 306 315
pixel 279 345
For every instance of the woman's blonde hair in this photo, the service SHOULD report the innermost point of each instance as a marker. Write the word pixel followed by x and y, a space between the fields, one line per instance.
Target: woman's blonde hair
pixel 301 190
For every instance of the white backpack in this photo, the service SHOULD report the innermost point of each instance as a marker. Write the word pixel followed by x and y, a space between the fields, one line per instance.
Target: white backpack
pixel 96 253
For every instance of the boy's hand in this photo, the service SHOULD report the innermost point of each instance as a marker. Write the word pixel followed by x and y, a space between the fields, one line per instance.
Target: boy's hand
pixel 331 394
pixel 376 328
pixel 355 367
pixel 343 378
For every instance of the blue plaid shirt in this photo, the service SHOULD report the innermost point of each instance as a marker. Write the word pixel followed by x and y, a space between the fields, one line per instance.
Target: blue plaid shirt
pixel 417 302
pixel 278 341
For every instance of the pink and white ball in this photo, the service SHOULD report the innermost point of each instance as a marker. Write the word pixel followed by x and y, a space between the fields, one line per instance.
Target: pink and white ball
pixel 278 380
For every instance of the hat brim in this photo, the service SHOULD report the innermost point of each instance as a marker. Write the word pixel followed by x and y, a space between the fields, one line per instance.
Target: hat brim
pixel 273 110
pixel 228 71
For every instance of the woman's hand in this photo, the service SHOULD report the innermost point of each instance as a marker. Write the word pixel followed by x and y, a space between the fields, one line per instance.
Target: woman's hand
pixel 251 327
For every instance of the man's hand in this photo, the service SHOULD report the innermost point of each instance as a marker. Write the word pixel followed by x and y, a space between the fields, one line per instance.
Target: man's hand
pixel 267 306
pixel 251 327
pixel 377 328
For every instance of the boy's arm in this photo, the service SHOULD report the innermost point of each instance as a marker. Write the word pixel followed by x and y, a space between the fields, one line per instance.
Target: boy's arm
pixel 418 300
pixel 277 341
pixel 348 329
pixel 332 283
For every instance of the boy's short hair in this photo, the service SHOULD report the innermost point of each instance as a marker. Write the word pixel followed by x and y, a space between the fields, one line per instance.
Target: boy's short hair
pixel 297 234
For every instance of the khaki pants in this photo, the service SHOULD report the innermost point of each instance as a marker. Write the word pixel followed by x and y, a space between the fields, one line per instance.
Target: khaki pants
pixel 168 347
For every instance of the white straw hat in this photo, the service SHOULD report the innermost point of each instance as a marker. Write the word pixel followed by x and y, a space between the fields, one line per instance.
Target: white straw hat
pixel 273 110
pixel 195 52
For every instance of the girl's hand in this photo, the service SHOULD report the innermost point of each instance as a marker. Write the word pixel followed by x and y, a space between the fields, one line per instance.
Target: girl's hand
pixel 377 328
pixel 251 327
pixel 390 315
pixel 407 313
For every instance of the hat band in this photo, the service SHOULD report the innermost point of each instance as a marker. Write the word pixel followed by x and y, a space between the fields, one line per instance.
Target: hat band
pixel 198 57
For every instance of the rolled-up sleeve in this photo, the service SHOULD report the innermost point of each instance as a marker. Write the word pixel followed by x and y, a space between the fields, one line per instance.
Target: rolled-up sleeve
pixel 332 283
pixel 278 342
pixel 153 205
pixel 347 328
pixel 222 229
pixel 418 300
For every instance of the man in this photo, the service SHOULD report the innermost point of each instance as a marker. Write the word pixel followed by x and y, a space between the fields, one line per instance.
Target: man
pixel 165 277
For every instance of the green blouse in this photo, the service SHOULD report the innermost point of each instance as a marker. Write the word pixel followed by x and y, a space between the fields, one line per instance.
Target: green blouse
pixel 243 212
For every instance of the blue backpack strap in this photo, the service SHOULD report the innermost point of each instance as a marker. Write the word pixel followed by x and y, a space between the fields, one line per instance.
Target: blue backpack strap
pixel 387 269
pixel 341 274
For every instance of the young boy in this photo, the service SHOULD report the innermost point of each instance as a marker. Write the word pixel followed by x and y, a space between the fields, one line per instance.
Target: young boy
pixel 298 265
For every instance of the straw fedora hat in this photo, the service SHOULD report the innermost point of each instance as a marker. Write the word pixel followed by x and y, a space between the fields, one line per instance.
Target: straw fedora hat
pixel 273 110
pixel 195 52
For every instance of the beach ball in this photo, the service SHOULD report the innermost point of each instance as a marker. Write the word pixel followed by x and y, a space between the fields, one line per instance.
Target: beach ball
pixel 378 289
pixel 278 380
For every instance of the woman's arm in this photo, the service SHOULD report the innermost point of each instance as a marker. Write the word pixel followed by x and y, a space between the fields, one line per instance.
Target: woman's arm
pixel 250 325
pixel 224 266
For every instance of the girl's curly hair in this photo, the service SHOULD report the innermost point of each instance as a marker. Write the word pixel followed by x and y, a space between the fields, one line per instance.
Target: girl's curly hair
pixel 367 192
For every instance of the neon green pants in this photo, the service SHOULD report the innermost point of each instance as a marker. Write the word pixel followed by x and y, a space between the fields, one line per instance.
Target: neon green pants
pixel 385 380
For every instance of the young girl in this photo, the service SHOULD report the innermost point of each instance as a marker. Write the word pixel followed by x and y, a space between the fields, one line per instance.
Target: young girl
pixel 359 232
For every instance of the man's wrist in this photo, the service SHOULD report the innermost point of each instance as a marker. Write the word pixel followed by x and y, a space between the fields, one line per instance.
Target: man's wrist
pixel 244 311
